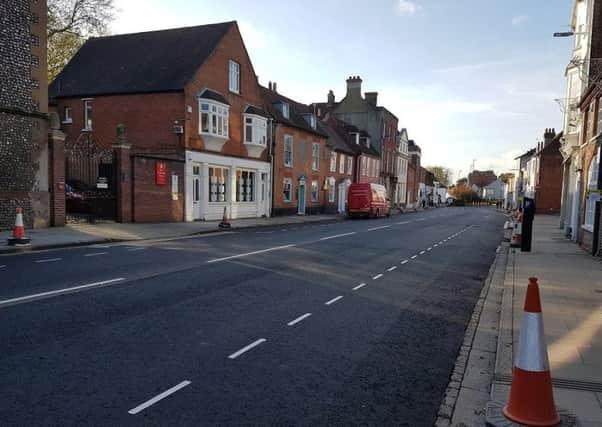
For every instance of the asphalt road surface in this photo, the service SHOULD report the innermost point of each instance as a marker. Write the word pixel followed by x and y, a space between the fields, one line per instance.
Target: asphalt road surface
pixel 352 323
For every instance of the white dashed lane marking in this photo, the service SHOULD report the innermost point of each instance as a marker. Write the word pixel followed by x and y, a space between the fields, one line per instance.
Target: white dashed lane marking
pixel 299 319
pixel 360 286
pixel 158 397
pixel 40 261
pixel 249 253
pixel 332 301
pixel 64 291
pixel 378 276
pixel 337 236
pixel 414 256
pixel 405 261
pixel 2 266
pixel 379 228
pixel 246 348
pixel 136 249
pixel 96 254
pixel 421 252
pixel 392 268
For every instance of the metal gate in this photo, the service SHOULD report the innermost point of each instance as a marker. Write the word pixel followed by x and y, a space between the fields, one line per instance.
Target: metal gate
pixel 89 180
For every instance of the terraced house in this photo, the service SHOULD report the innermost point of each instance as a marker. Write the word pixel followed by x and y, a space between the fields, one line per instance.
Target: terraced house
pixel 192 135
pixel 300 158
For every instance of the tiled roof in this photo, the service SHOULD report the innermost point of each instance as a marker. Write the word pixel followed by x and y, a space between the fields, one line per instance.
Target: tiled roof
pixel 343 130
pixel 214 96
pixel 296 111
pixel 154 61
pixel 251 109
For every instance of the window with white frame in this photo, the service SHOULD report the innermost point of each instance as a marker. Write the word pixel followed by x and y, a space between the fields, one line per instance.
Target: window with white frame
pixel 288 151
pixel 218 184
pixel 315 157
pixel 333 161
pixel 342 163
pixel 363 166
pixel 67 115
pixel 331 190
pixel 214 118
pixel 349 165
pixel 593 196
pixel 87 114
pixel 234 68
pixel 314 191
pixel 285 110
pixel 255 129
pixel 245 186
pixel 287 189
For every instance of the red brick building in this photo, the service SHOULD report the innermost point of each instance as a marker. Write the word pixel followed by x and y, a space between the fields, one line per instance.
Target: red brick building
pixel 352 159
pixel 300 156
pixel 548 177
pixel 196 134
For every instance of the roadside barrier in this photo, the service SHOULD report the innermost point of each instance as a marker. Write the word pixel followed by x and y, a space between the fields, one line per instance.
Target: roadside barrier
pixel 531 399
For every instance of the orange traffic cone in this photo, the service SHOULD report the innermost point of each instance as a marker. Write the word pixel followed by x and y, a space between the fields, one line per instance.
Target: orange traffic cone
pixel 531 399
pixel 19 238
pixel 225 223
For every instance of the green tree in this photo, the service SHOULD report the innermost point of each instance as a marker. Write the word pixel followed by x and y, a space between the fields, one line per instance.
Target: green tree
pixel 505 176
pixel 70 23
pixel 442 174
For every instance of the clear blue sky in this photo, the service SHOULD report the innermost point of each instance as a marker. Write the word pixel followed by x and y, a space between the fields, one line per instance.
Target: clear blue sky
pixel 469 79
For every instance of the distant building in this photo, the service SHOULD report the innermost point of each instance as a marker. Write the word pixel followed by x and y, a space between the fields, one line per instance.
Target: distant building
pixel 365 113
pixel 481 178
pixel 413 191
pixel 401 194
pixel 548 176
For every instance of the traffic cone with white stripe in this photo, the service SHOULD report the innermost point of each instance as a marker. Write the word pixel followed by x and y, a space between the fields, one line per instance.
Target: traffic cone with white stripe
pixel 19 238
pixel 531 399
pixel 225 223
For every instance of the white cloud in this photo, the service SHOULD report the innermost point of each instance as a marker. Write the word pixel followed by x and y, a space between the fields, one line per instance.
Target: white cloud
pixel 519 19
pixel 407 8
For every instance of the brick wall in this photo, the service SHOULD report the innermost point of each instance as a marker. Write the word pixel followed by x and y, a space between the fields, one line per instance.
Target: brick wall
pixel 152 202
pixel 148 118
pixel 302 165
pixel 22 112
pixel 549 191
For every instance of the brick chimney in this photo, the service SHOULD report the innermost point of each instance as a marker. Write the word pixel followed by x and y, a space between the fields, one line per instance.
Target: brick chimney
pixel 330 98
pixel 354 87
pixel 371 98
pixel 548 136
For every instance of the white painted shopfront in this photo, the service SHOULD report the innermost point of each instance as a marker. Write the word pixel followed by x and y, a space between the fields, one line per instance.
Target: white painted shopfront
pixel 213 182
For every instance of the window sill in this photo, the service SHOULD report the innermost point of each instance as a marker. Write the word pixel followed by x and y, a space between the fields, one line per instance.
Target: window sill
pixel 213 142
pixel 589 228
pixel 67 122
pixel 288 166
pixel 255 150
pixel 87 130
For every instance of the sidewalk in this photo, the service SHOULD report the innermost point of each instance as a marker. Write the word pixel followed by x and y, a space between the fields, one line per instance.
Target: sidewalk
pixel 87 234
pixel 570 284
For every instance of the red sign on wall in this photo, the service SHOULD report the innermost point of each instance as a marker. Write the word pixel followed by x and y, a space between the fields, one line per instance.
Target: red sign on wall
pixel 161 173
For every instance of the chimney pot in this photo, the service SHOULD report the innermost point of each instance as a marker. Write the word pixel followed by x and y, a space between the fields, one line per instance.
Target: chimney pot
pixel 274 88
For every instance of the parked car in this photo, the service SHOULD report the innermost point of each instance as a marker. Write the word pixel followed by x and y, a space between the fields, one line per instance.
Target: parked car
pixel 368 200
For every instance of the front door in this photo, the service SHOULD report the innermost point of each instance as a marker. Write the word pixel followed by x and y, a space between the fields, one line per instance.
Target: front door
pixel 263 194
pixel 342 197
pixel 196 192
pixel 301 198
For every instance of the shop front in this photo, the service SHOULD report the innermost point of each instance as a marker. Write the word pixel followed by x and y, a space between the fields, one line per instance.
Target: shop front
pixel 213 182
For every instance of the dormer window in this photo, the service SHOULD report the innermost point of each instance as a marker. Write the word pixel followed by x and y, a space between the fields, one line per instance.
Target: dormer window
pixel 285 110
pixel 311 120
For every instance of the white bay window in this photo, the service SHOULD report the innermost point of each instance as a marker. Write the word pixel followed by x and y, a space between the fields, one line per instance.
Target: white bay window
pixel 213 123
pixel 255 134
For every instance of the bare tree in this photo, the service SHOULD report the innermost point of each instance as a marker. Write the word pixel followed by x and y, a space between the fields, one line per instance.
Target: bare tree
pixel 70 23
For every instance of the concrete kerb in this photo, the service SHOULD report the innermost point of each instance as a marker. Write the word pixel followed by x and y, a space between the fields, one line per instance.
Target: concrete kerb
pixel 468 390
pixel 35 248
